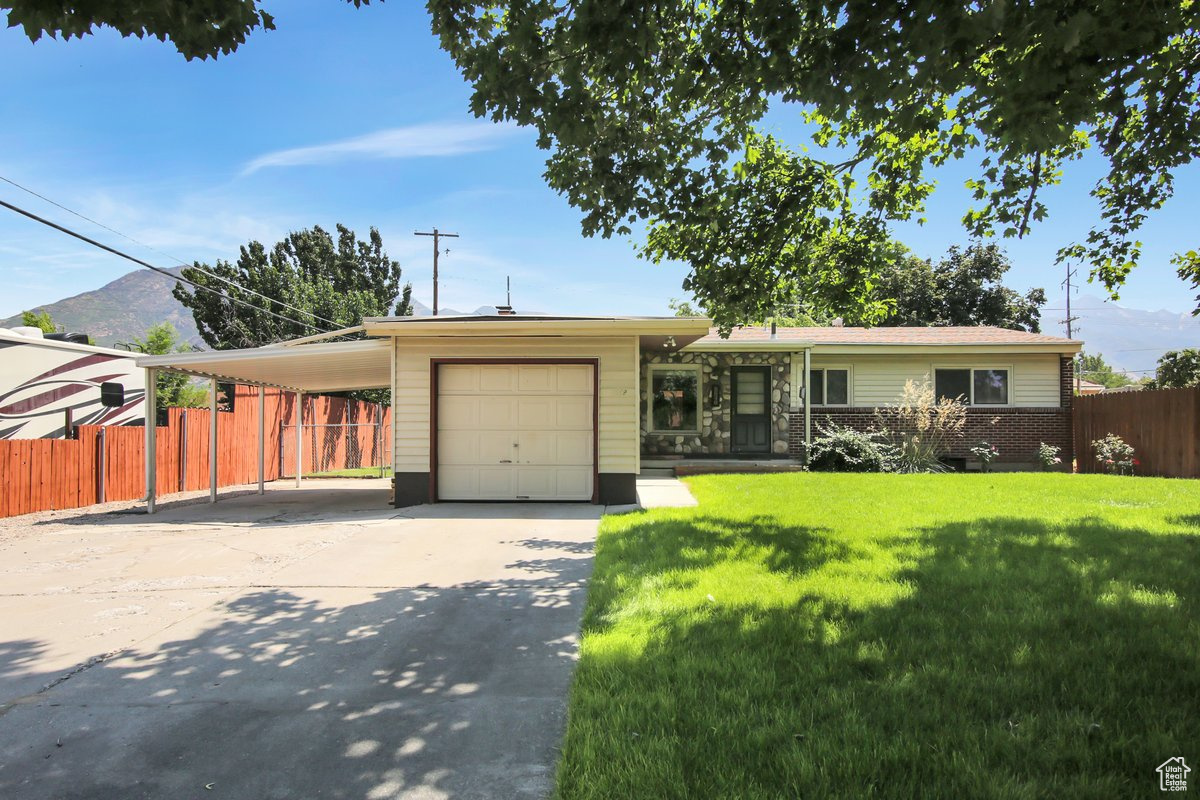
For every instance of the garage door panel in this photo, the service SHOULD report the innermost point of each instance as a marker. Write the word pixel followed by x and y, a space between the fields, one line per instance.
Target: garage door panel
pixel 457 378
pixel 574 378
pixel 458 413
pixel 458 482
pixel 458 448
pixel 573 448
pixel 573 413
pixel 498 379
pixel 535 413
pixel 497 413
pixel 497 482
pixel 574 482
pixel 536 378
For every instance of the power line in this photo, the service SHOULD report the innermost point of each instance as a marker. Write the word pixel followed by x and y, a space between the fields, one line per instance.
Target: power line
pixel 176 259
pixel 150 266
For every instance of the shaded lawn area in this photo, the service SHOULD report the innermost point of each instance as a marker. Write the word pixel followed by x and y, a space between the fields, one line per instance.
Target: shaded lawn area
pixel 819 635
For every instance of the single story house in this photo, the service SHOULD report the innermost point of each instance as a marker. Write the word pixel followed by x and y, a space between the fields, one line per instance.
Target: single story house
pixel 522 407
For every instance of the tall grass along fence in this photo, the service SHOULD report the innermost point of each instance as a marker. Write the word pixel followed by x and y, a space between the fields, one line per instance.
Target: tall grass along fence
pixel 1162 425
pixel 104 463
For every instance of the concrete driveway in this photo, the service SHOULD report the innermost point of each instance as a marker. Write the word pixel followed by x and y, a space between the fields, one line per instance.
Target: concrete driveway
pixel 311 643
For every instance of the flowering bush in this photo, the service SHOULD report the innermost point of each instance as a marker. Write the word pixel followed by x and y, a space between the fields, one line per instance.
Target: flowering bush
pixel 986 453
pixel 1048 455
pixel 1115 454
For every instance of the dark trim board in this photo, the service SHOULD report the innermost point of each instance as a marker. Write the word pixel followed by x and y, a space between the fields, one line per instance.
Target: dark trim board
pixel 434 363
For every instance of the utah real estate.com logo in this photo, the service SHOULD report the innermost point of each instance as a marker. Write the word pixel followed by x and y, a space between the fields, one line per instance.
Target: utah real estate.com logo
pixel 1172 775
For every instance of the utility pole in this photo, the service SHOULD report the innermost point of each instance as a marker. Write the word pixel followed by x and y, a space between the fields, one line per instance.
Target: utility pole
pixel 508 290
pixel 437 235
pixel 1069 322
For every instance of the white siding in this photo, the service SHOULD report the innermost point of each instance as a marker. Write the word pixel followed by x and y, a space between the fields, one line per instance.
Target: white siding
pixel 618 437
pixel 877 380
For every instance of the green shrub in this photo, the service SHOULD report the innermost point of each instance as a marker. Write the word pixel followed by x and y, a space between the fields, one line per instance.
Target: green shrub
pixel 1048 455
pixel 838 448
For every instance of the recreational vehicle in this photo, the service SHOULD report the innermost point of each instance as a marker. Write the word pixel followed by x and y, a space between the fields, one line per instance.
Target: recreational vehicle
pixel 51 382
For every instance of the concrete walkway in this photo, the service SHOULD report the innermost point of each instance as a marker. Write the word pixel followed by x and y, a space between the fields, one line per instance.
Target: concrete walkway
pixel 311 643
pixel 660 489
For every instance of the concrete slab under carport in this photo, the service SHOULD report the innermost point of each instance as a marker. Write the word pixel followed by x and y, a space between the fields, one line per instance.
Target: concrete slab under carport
pixel 311 642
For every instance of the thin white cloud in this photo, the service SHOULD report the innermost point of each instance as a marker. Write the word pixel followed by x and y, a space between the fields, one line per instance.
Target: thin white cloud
pixel 413 141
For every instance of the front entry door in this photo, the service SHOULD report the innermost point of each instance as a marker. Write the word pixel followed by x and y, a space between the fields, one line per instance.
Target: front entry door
pixel 751 410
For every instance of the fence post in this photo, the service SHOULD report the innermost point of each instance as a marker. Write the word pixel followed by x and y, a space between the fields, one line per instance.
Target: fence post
pixel 101 466
pixel 183 449
pixel 379 436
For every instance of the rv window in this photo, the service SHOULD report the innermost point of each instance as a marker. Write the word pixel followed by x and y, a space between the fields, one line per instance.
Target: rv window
pixel 112 395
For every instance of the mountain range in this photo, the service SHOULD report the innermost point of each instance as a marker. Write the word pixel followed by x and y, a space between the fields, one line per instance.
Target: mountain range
pixel 121 311
pixel 1130 339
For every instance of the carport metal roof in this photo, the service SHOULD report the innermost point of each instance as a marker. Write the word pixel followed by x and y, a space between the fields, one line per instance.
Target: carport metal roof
pixel 318 367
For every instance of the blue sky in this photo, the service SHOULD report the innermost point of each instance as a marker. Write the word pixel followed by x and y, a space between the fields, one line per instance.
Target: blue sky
pixel 356 116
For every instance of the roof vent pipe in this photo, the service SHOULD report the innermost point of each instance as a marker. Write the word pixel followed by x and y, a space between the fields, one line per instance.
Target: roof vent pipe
pixel 774 335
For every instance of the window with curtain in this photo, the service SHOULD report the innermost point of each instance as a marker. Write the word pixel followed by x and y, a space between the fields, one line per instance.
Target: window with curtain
pixel 674 399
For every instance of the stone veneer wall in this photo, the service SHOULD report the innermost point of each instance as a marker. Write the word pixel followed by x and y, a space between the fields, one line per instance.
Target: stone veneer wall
pixel 714 435
pixel 1015 431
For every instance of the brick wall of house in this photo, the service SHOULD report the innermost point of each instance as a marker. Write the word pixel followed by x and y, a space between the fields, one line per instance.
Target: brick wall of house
pixel 1016 432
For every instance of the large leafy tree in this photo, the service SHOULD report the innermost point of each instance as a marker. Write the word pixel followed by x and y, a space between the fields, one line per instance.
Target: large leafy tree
pixel 1093 367
pixel 197 28
pixel 655 110
pixel 963 288
pixel 1178 369
pixel 325 284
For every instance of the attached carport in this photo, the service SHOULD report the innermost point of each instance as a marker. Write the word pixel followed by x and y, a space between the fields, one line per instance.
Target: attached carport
pixel 302 366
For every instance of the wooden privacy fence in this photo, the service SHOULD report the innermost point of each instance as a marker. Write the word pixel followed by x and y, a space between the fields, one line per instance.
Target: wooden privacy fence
pixel 1162 425
pixel 108 463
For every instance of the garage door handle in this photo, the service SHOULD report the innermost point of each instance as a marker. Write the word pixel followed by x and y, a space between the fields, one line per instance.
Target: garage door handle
pixel 506 461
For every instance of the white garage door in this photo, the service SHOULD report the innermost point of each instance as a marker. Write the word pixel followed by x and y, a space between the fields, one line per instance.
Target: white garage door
pixel 515 432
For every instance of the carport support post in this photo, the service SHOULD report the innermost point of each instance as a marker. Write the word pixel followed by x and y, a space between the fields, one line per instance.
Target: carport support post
pixel 807 403
pixel 262 437
pixel 212 440
pixel 151 401
pixel 299 423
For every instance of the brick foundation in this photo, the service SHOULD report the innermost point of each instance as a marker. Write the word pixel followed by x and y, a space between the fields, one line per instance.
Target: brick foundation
pixel 1016 432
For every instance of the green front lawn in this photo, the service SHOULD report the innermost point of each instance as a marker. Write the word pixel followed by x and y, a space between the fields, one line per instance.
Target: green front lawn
pixel 818 635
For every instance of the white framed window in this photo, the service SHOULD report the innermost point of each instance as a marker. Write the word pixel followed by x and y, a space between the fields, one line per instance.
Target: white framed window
pixel 829 386
pixel 674 405
pixel 975 386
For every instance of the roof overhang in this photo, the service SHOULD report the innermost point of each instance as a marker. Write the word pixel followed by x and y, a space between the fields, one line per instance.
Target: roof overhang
pixel 652 331
pixel 321 367
pixel 752 346
pixel 1060 348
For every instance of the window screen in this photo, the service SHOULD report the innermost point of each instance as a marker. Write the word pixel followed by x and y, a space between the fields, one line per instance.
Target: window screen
pixel 954 384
